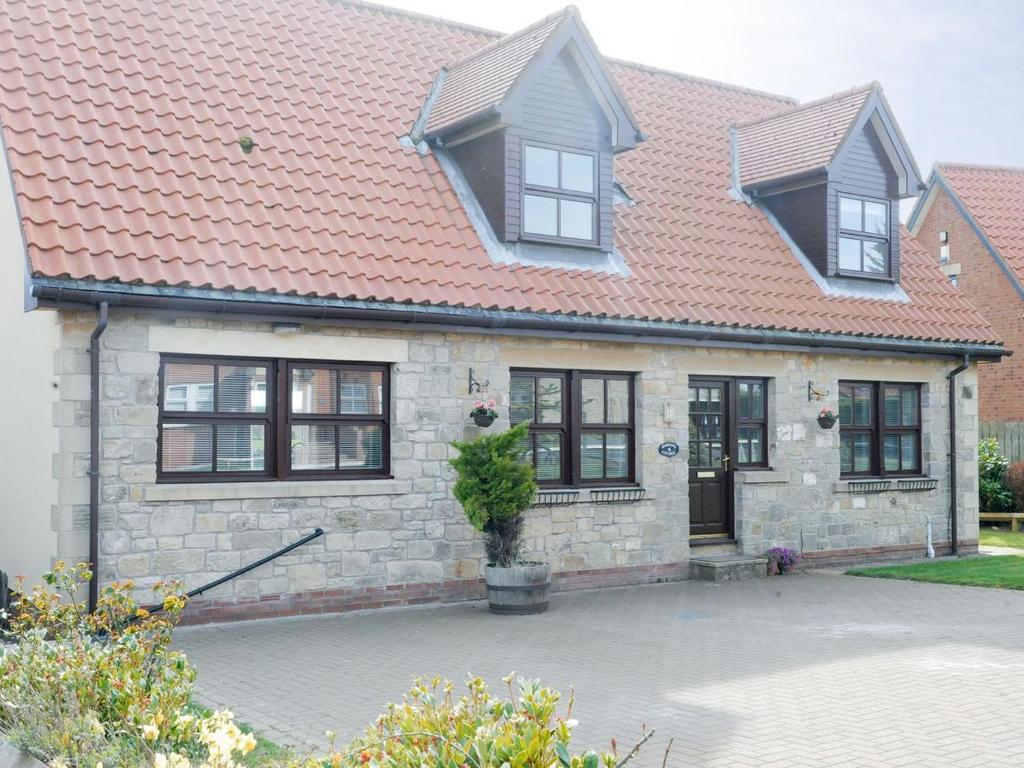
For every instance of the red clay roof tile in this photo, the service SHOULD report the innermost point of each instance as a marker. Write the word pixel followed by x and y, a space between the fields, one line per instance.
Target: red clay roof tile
pixel 122 124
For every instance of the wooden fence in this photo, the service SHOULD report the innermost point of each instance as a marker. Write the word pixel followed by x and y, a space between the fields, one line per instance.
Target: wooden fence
pixel 1010 435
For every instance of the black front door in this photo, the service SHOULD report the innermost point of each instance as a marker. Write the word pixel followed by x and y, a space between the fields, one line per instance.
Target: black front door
pixel 710 463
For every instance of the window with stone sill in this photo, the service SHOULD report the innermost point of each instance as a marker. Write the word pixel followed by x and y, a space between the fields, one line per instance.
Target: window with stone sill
pixel 581 426
pixel 879 429
pixel 250 419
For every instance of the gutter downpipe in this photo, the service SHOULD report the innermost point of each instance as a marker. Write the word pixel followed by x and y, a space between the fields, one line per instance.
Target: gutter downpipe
pixel 94 453
pixel 954 538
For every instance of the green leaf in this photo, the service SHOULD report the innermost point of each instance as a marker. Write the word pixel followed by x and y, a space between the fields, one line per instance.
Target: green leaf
pixel 590 760
pixel 563 754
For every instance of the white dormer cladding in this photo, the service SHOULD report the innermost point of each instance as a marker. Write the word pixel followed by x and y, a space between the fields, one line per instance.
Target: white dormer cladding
pixel 831 173
pixel 529 126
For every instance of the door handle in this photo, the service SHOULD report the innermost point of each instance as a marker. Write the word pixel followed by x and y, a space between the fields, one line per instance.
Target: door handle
pixel 725 461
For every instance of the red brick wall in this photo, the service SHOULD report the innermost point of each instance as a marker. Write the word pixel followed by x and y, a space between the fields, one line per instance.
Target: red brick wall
pixel 1000 384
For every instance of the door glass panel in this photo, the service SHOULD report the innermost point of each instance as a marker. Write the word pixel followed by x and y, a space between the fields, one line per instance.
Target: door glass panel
pixel 240 447
pixel 314 390
pixel 549 456
pixel 188 387
pixel 592 456
pixel 592 392
pixel 549 395
pixel 242 389
pixel 359 446
pixel 541 166
pixel 187 448
pixel 618 401
pixel 521 399
pixel 313 446
pixel 716 454
pixel 577 172
pixel 617 453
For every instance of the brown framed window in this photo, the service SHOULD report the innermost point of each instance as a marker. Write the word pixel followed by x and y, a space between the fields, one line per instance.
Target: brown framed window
pixel 879 429
pixel 863 236
pixel 751 423
pixel 337 420
pixel 581 425
pixel 559 194
pixel 253 419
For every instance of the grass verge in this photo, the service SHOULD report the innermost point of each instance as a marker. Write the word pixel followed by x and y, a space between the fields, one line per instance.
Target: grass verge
pixel 992 537
pixel 1002 572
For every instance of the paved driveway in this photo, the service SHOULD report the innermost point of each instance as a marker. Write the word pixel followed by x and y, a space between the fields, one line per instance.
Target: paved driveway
pixel 807 670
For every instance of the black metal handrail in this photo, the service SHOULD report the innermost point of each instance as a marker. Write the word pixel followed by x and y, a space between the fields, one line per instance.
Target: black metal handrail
pixel 246 568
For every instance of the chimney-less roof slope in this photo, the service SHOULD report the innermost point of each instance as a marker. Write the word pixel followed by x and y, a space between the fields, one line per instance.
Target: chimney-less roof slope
pixel 797 141
pixel 122 122
pixel 994 196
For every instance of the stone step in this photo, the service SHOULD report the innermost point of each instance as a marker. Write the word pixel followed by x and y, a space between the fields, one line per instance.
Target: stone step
pixel 727 567
pixel 699 549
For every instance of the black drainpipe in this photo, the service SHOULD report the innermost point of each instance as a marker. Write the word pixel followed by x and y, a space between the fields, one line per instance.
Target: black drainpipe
pixel 94 455
pixel 954 539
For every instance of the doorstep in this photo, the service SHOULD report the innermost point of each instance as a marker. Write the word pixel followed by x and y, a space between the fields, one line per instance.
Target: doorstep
pixel 728 567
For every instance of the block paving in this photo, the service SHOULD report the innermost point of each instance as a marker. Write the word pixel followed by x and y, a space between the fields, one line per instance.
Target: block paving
pixel 806 670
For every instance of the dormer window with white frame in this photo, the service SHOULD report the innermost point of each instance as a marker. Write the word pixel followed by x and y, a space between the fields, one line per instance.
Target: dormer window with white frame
pixel 863 236
pixel 559 194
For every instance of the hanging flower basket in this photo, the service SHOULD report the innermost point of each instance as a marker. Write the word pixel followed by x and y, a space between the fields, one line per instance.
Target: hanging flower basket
pixel 483 413
pixel 827 418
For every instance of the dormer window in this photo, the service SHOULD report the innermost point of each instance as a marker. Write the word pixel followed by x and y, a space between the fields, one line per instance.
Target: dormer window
pixel 559 197
pixel 863 236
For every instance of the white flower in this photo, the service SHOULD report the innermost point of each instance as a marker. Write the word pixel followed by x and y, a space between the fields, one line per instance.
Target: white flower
pixel 246 743
pixel 150 732
pixel 571 723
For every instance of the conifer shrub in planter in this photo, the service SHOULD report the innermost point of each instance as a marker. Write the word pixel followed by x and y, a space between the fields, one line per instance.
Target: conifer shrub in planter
pixel 495 488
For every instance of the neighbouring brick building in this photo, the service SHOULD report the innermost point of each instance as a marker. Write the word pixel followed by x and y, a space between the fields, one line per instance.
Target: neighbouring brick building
pixel 971 220
pixel 268 279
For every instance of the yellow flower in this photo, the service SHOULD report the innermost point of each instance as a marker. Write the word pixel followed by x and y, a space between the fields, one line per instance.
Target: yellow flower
pixel 150 732
pixel 184 721
pixel 246 743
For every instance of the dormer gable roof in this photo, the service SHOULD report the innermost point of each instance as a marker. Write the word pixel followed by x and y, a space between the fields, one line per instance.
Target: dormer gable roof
pixel 809 139
pixel 490 81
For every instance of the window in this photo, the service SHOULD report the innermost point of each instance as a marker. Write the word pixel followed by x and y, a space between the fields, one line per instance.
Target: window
pixel 954 279
pixel 943 253
pixel 581 425
pixel 559 194
pixel 751 423
pixel 879 429
pixel 270 419
pixel 863 236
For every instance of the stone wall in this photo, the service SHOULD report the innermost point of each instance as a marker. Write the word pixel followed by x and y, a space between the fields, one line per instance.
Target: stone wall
pixel 404 539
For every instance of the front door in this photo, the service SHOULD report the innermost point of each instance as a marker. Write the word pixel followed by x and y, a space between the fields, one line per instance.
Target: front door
pixel 710 475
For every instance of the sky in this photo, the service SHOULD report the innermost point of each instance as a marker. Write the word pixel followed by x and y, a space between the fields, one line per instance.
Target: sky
pixel 952 70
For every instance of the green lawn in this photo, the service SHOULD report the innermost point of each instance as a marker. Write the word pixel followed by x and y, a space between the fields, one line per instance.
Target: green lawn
pixel 1003 571
pixel 1001 538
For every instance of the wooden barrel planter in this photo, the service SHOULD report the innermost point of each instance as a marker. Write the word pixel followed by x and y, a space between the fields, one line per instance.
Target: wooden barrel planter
pixel 520 589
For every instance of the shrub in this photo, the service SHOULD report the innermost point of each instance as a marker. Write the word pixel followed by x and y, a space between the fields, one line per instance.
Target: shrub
pixel 430 727
pixel 1015 483
pixel 495 487
pixel 993 495
pixel 78 689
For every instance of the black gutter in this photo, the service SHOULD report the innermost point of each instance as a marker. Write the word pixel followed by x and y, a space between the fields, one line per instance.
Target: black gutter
pixel 94 453
pixel 55 293
pixel 954 538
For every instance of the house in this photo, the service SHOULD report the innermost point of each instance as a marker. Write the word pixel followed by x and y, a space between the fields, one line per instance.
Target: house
pixel 272 252
pixel 971 221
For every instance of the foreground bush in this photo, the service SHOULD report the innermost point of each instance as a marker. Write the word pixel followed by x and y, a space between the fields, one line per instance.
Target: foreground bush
pixel 993 494
pixel 433 728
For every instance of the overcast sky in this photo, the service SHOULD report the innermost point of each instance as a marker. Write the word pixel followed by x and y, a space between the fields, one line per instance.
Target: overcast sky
pixel 953 70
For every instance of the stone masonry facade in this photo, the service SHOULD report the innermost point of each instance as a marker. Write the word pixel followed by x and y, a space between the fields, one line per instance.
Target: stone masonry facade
pixel 991 291
pixel 404 540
